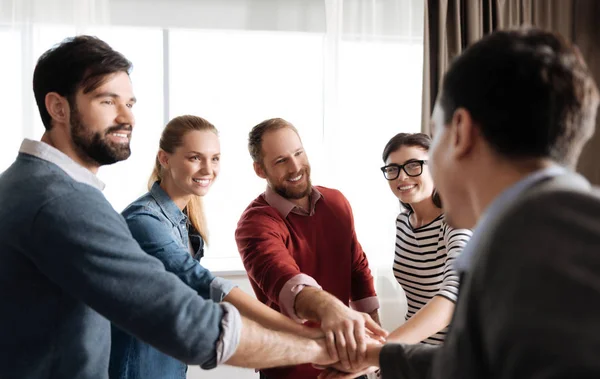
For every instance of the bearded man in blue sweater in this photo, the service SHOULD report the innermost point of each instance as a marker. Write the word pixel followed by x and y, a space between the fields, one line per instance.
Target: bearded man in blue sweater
pixel 68 263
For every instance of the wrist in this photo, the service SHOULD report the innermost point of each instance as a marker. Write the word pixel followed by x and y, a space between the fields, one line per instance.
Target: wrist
pixel 373 352
pixel 318 352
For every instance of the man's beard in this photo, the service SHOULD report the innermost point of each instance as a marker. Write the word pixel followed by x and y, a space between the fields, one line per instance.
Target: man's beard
pixel 295 194
pixel 94 147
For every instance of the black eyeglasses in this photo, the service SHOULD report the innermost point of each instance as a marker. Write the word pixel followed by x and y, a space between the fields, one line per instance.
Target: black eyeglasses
pixel 412 168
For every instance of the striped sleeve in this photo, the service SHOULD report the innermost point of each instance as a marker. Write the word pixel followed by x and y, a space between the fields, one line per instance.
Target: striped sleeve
pixel 455 241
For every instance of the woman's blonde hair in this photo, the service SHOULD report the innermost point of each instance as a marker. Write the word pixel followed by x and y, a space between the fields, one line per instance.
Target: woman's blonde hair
pixel 171 138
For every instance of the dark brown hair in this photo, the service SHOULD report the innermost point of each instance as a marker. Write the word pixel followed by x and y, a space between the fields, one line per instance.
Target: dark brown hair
pixel 77 62
pixel 529 91
pixel 416 140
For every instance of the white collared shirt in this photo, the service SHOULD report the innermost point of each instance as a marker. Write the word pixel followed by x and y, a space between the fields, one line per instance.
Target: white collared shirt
pixel 51 154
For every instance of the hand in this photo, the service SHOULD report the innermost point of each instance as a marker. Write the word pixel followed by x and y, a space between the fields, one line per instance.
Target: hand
pixel 312 333
pixel 346 334
pixel 336 371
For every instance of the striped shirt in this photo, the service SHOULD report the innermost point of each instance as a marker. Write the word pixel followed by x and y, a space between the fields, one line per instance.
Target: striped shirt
pixel 423 263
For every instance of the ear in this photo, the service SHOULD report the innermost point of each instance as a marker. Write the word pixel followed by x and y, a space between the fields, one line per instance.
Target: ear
pixel 463 133
pixel 163 158
pixel 259 170
pixel 58 107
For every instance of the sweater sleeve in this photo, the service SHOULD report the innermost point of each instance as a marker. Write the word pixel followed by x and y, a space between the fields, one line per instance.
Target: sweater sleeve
pixel 85 247
pixel 261 243
pixel 363 295
pixel 455 240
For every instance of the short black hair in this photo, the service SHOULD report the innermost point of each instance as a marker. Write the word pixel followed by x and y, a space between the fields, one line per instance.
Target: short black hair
pixel 77 62
pixel 529 91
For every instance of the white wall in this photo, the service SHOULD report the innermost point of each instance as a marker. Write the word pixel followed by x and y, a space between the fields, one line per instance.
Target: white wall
pixel 393 308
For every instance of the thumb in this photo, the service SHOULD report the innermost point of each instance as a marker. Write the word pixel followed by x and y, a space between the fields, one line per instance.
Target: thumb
pixel 374 328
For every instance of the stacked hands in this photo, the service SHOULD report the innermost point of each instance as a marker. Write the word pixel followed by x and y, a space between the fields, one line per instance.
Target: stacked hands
pixel 352 340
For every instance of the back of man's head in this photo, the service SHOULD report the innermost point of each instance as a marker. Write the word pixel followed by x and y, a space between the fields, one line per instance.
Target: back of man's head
pixel 77 62
pixel 529 91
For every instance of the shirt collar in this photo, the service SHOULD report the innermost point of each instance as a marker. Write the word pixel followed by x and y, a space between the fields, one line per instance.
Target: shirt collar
pixel 463 262
pixel 285 206
pixel 168 206
pixel 51 154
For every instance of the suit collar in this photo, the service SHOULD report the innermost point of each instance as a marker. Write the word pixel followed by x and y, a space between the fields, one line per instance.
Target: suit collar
pixel 554 175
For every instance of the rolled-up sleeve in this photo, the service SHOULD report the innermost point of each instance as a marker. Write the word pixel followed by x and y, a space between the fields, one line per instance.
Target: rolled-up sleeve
pixel 157 240
pixel 366 305
pixel 289 291
pixel 455 241
pixel 219 288
pixel 263 251
pixel 231 332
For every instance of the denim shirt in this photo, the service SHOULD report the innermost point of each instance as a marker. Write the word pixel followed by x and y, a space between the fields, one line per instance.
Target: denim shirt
pixel 161 229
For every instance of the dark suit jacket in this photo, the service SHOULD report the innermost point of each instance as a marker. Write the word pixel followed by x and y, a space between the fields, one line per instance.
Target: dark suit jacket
pixel 529 305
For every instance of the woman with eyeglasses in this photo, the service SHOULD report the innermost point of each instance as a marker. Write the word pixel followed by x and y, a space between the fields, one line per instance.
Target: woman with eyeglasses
pixel 426 246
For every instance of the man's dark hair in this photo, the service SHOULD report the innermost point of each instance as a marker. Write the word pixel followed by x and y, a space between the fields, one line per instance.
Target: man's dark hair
pixel 77 62
pixel 529 91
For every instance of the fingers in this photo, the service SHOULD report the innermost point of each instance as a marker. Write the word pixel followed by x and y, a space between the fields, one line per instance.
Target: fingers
pixel 374 339
pixel 374 327
pixel 351 345
pixel 331 348
pixel 361 344
pixel 341 349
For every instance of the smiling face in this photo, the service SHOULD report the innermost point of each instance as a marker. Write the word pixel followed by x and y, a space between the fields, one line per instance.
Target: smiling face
pixel 102 121
pixel 285 164
pixel 411 189
pixel 194 165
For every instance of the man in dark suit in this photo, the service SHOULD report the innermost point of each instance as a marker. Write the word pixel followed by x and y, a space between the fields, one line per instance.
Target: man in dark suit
pixel 515 110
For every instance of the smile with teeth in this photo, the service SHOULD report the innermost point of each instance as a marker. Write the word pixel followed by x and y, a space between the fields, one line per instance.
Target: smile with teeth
pixel 202 182
pixel 122 136
pixel 407 187
pixel 296 178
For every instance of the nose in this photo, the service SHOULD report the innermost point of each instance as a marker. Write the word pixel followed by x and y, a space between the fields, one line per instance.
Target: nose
pixel 125 116
pixel 205 168
pixel 402 175
pixel 295 165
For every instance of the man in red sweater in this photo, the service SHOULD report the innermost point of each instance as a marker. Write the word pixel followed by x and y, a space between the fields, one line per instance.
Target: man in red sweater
pixel 299 247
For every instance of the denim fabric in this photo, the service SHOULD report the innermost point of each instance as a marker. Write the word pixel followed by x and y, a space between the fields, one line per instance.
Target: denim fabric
pixel 68 265
pixel 161 229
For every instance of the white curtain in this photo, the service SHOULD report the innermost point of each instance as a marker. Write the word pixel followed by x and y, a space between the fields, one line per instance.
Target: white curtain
pixel 80 13
pixel 373 71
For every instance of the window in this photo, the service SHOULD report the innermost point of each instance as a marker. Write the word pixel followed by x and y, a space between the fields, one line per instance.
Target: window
pixel 346 99
pixel 11 97
pixel 236 80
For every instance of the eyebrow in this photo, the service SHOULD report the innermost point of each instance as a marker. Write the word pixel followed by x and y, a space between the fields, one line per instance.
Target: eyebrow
pixel 199 153
pixel 407 161
pixel 283 156
pixel 113 95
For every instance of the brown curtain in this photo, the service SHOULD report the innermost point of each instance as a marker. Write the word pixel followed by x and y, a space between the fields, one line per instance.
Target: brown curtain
pixel 452 25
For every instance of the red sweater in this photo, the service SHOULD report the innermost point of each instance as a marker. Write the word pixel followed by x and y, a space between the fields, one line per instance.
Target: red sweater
pixel 274 249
